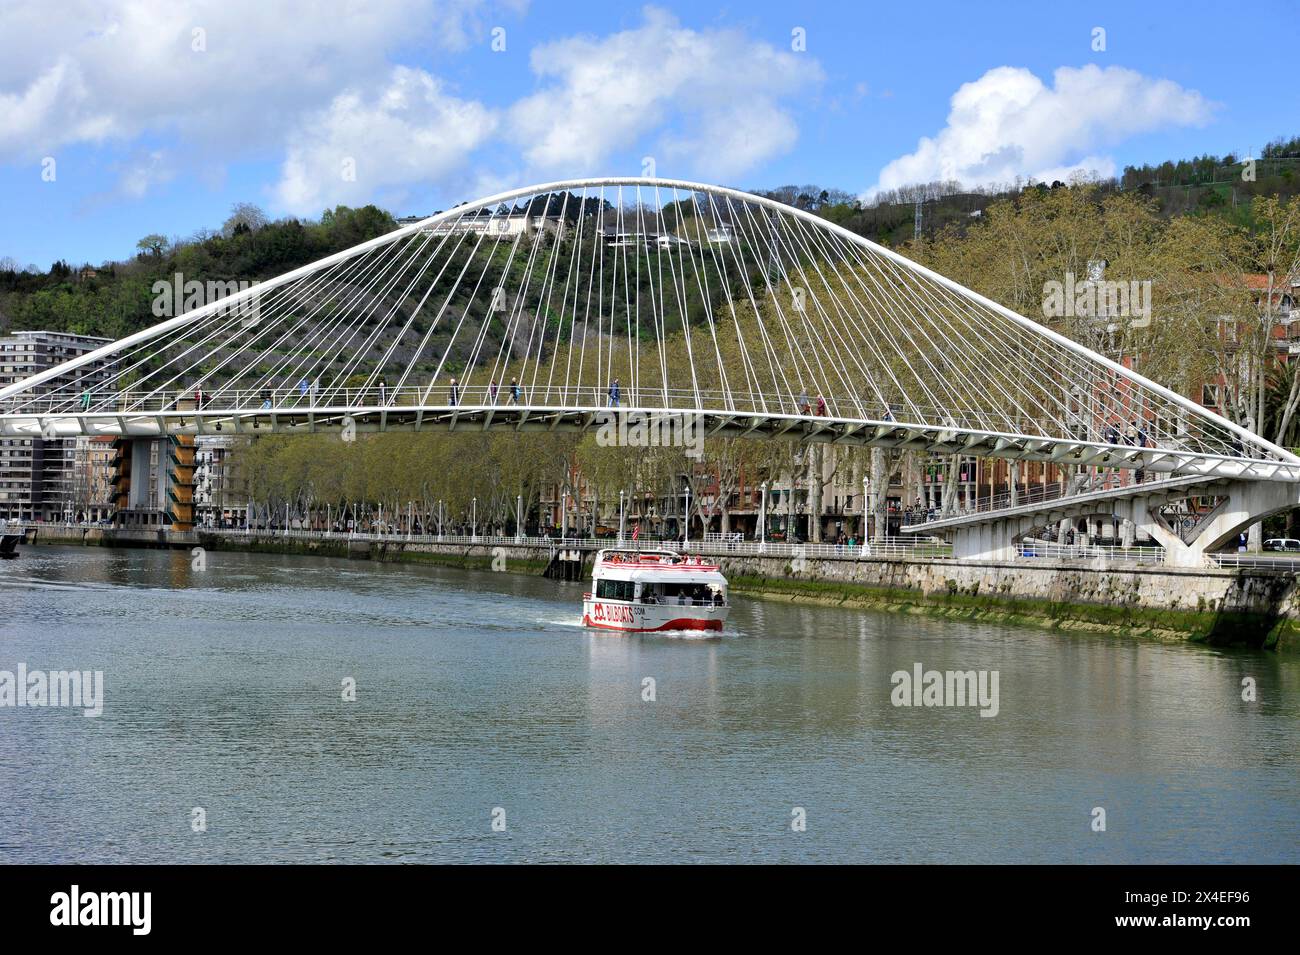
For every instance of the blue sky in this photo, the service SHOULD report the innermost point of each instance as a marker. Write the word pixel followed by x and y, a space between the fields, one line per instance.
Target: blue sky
pixel 158 117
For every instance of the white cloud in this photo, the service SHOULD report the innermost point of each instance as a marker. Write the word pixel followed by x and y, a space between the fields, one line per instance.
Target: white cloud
pixel 189 87
pixel 1009 124
pixel 408 130
pixel 89 70
pixel 721 89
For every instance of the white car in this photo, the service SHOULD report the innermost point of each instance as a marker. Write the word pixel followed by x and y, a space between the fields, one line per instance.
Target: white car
pixel 1289 544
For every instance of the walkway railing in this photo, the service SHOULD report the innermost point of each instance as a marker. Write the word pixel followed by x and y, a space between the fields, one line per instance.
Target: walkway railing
pixel 893 547
pixel 1052 551
pixel 1281 563
pixel 890 548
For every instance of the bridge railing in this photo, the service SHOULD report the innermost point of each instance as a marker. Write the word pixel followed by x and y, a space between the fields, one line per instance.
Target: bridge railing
pixel 1106 479
pixel 306 396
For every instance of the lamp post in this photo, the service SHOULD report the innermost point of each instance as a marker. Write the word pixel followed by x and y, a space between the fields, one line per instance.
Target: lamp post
pixel 519 517
pixel 564 514
pixel 686 534
pixel 473 519
pixel 762 518
pixel 621 517
pixel 410 506
pixel 865 499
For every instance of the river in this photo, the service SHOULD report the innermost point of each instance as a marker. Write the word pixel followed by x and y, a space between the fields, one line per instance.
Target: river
pixel 488 726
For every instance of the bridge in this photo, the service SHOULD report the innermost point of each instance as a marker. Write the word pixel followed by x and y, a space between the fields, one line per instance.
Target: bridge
pixel 552 306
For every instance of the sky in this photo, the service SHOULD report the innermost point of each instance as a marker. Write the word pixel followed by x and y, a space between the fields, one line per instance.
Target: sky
pixel 121 118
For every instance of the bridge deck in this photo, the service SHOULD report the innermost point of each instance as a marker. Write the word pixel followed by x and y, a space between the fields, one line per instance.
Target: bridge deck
pixel 683 425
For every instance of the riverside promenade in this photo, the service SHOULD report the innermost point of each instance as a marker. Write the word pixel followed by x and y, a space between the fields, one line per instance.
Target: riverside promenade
pixel 1249 601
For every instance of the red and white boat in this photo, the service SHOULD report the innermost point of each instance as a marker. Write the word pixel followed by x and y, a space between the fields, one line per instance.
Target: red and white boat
pixel 643 591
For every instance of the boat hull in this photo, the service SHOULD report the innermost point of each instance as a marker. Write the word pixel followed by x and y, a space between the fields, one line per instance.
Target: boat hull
pixel 629 617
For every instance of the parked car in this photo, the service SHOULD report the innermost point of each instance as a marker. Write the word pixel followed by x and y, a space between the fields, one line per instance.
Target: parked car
pixel 1289 544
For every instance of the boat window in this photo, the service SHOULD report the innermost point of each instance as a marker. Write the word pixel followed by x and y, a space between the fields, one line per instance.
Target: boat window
pixel 614 589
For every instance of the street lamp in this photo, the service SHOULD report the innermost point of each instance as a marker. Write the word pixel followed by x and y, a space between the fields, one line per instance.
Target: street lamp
pixel 564 515
pixel 473 519
pixel 762 518
pixel 865 480
pixel 686 534
pixel 519 517
pixel 621 517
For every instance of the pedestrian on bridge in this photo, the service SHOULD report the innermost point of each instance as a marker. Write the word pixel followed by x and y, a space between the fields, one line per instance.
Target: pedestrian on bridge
pixel 453 394
pixel 613 393
pixel 514 391
pixel 85 400
pixel 383 392
pixel 302 387
pixel 804 407
pixel 493 389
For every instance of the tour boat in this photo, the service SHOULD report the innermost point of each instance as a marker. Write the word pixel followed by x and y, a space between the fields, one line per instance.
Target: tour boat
pixel 643 591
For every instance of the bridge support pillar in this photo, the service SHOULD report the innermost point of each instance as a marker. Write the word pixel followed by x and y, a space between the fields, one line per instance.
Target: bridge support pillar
pixel 1242 503
pixel 994 540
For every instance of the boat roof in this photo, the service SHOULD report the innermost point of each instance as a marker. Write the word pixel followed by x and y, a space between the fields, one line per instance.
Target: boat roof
pixel 655 566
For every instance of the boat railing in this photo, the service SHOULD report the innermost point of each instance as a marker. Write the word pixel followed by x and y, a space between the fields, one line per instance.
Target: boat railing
pixel 675 602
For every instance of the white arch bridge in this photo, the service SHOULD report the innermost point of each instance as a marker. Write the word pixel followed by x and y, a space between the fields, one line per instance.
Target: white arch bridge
pixel 540 308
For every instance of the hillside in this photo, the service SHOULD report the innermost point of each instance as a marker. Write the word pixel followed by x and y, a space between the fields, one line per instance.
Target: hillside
pixel 116 298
